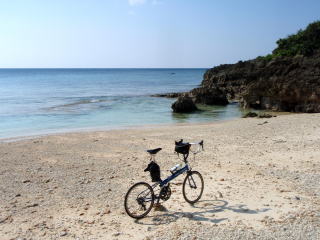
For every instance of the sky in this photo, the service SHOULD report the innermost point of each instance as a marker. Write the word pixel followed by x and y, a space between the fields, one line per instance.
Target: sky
pixel 145 33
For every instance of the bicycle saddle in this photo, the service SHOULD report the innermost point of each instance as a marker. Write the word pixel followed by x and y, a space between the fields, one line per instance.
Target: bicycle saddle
pixel 154 151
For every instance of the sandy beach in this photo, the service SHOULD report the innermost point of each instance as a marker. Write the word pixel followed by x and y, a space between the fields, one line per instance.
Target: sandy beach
pixel 261 182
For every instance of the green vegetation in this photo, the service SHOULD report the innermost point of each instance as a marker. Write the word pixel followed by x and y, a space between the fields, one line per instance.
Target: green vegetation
pixel 267 57
pixel 304 42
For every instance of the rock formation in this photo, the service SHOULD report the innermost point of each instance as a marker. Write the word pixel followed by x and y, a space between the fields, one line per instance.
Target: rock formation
pixel 281 84
pixel 184 104
pixel 287 80
pixel 209 96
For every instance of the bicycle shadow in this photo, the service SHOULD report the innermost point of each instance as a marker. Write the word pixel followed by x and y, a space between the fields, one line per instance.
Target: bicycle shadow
pixel 205 211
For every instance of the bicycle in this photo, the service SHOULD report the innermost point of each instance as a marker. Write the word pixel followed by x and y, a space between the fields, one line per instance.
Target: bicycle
pixel 140 197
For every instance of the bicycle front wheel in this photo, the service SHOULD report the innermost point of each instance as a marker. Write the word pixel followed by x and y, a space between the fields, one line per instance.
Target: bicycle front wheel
pixel 139 200
pixel 192 188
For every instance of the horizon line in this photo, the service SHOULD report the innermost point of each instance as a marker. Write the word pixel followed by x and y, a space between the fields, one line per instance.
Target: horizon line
pixel 105 68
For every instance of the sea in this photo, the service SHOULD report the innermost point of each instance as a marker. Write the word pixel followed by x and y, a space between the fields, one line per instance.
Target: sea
pixel 45 101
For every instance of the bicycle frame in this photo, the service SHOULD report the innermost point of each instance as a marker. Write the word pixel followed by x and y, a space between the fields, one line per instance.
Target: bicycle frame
pixel 167 180
pixel 176 174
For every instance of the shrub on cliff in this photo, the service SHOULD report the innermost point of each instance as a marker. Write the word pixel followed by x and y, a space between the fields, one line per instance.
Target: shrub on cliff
pixel 305 42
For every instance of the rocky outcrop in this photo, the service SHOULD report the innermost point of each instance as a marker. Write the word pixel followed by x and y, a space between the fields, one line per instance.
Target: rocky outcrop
pixel 169 95
pixel 286 80
pixel 209 96
pixel 184 104
pixel 281 84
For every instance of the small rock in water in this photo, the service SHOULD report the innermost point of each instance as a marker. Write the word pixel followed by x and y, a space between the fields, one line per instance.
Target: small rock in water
pixel 64 233
pixel 184 104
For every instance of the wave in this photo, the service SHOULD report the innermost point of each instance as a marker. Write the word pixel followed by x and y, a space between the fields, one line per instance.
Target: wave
pixel 77 103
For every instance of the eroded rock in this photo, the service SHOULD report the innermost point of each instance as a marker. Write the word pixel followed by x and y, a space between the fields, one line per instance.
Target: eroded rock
pixel 184 104
pixel 283 84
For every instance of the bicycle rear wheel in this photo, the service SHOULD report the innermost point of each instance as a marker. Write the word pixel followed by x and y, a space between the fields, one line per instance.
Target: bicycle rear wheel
pixel 139 200
pixel 192 188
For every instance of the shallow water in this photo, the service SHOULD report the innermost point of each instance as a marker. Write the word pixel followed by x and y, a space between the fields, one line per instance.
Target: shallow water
pixel 39 101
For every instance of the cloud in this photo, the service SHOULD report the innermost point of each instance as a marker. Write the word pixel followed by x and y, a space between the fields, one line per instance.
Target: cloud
pixel 137 2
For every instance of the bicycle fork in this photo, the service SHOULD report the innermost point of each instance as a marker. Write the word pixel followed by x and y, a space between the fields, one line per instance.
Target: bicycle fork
pixel 194 184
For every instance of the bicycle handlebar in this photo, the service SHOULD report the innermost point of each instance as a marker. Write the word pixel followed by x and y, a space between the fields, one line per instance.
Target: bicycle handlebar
pixel 200 143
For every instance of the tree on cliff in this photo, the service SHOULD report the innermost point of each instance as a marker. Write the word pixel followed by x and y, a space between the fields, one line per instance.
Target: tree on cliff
pixel 304 42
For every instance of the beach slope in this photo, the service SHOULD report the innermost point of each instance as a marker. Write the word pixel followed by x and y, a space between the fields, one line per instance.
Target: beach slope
pixel 261 182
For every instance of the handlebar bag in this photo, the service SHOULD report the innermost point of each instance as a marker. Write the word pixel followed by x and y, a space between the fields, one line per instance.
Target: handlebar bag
pixel 182 148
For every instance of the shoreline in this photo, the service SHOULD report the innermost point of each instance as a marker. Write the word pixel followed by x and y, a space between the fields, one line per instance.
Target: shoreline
pixel 119 128
pixel 107 129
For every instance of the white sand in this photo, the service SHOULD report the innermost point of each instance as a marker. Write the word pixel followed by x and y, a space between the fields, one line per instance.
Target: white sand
pixel 261 182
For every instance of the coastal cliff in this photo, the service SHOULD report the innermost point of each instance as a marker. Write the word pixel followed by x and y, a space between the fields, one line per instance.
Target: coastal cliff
pixel 286 80
pixel 281 84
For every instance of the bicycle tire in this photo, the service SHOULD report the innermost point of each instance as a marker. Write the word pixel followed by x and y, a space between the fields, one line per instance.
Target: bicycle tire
pixel 146 211
pixel 187 180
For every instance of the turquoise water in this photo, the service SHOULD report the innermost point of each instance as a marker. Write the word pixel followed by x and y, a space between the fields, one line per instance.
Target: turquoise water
pixel 40 101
